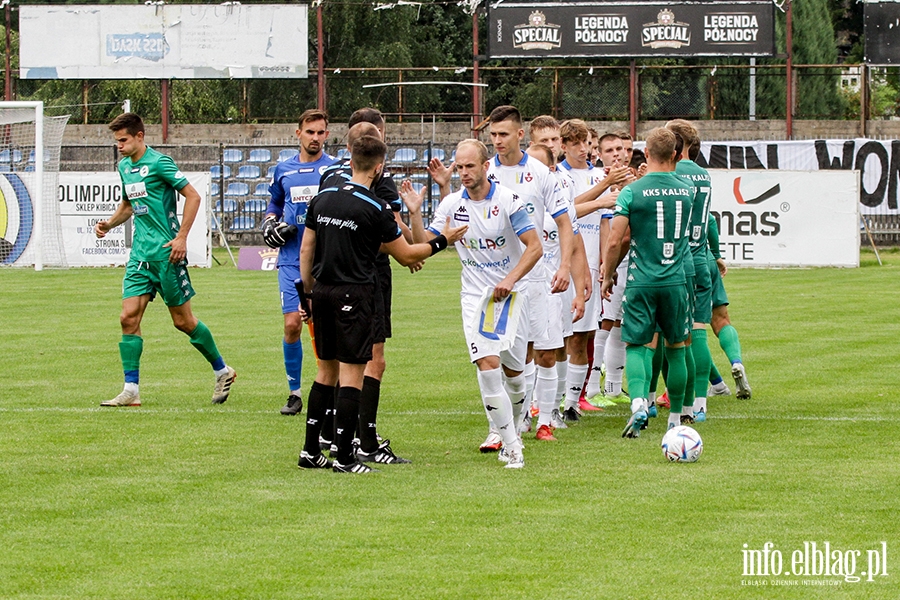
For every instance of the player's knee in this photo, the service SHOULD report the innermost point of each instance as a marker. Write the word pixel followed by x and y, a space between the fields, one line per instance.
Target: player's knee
pixel 129 322
pixel 184 323
pixel 293 326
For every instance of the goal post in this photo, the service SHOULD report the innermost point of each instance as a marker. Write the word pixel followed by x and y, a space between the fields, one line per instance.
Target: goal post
pixel 30 224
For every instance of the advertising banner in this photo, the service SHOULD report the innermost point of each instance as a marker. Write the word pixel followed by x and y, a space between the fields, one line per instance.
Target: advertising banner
pixel 86 198
pixel 787 218
pixel 164 41
pixel 631 29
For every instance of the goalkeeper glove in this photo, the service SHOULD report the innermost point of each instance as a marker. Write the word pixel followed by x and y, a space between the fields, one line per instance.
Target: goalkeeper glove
pixel 277 234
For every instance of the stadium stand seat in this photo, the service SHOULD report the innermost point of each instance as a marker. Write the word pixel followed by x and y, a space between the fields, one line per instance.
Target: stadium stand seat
pixel 237 189
pixel 453 156
pixel 420 177
pixel 214 189
pixel 270 172
pixel 214 171
pixel 255 206
pixel 342 154
pixel 418 186
pixel 435 191
pixel 287 153
pixel 248 172
pixel 404 156
pixel 13 156
pixel 232 155
pixel 5 167
pixel 261 190
pixel 438 153
pixel 260 155
pixel 31 156
pixel 243 223
pixel 230 206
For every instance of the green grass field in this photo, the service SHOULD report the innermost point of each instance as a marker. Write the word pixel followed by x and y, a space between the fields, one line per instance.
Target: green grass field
pixel 183 499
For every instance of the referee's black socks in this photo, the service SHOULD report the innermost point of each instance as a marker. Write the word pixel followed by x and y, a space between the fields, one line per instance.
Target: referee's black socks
pixel 368 411
pixel 346 418
pixel 319 394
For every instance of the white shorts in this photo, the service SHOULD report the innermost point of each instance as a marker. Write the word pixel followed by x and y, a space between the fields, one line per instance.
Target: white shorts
pixel 537 309
pixel 589 322
pixel 611 309
pixel 480 347
pixel 559 313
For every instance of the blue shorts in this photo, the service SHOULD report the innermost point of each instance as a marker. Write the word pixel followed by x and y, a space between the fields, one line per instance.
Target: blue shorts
pixel 290 300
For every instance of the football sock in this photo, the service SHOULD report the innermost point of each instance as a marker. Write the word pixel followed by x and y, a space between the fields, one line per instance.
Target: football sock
pixel 562 367
pixel 515 389
pixel 676 381
pixel 615 361
pixel 657 359
pixel 328 416
pixel 700 404
pixel 649 357
pixel 574 381
pixel 319 396
pixel 368 412
pixel 715 377
pixel 593 386
pixel 346 417
pixel 637 370
pixel 702 362
pixel 529 374
pixel 689 384
pixel 202 340
pixel 545 393
pixel 497 404
pixel 293 363
pixel 728 340
pixel 130 349
pixel 674 419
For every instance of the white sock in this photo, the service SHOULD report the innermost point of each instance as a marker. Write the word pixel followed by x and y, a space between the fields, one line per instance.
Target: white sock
pixel 674 420
pixel 637 404
pixel 131 388
pixel 529 374
pixel 651 398
pixel 220 372
pixel 296 393
pixel 515 389
pixel 574 382
pixel 545 393
pixel 497 404
pixel 593 386
pixel 562 368
pixel 615 361
pixel 699 405
pixel 720 387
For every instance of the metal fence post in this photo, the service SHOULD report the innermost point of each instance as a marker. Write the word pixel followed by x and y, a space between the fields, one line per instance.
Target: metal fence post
pixel 632 100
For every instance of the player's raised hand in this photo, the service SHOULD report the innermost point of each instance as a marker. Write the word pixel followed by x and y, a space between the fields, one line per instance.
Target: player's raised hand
pixel 101 229
pixel 453 234
pixel 609 200
pixel 439 172
pixel 411 198
pixel 642 170
pixel 618 175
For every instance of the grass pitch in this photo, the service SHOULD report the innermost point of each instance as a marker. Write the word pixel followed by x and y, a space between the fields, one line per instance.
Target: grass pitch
pixel 183 499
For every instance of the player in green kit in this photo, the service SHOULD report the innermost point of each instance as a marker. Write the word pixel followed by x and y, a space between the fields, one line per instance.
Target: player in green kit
pixel 657 209
pixel 158 260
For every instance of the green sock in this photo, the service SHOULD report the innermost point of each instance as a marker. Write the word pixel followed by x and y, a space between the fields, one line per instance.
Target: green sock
pixel 728 339
pixel 714 375
pixel 658 356
pixel 635 369
pixel 130 349
pixel 702 362
pixel 691 373
pixel 202 340
pixel 677 379
pixel 649 357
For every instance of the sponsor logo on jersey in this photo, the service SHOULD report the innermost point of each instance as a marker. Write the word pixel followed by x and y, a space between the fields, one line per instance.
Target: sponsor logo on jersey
pixel 461 215
pixel 179 175
pixel 537 34
pixel 550 236
pixel 139 209
pixel 145 170
pixel 666 32
pixel 485 243
pixel 306 170
pixel 493 177
pixel 529 208
pixel 669 249
pixel 134 191
pixel 303 194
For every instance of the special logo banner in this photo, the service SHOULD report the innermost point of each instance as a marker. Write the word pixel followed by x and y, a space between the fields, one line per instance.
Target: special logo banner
pixel 564 30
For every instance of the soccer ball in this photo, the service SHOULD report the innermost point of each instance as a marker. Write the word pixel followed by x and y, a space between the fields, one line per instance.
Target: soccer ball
pixel 682 444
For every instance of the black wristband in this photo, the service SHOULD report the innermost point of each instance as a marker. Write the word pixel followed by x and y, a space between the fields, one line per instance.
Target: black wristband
pixel 437 244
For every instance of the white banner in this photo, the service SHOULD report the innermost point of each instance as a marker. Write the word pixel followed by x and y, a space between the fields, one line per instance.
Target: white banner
pixel 787 218
pixel 191 41
pixel 85 198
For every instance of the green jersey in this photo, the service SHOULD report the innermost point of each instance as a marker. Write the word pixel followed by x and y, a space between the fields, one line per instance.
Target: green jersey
pixel 697 176
pixel 658 207
pixel 151 185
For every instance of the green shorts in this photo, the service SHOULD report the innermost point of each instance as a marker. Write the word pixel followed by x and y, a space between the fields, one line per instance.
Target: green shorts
pixel 702 295
pixel 172 282
pixel 719 297
pixel 647 307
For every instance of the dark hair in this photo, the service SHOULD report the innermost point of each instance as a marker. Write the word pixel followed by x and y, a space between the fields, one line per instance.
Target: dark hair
pixel 313 114
pixel 506 113
pixel 130 122
pixel 366 152
pixel 366 115
pixel 637 159
pixel 607 136
pixel 694 151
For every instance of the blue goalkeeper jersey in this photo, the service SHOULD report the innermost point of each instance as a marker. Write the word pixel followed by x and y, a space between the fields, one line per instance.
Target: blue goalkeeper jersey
pixel 294 184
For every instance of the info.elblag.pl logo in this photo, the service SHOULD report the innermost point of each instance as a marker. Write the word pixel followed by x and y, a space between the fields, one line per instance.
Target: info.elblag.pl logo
pixel 813 564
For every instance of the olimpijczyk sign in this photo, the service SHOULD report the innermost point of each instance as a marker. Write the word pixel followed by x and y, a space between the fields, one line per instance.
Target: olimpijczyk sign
pixel 565 30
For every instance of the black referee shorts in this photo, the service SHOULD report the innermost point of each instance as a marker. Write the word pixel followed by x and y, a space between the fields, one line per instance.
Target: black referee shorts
pixel 383 290
pixel 343 317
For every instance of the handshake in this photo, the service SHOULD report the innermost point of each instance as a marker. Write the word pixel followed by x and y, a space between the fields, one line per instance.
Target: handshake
pixel 276 234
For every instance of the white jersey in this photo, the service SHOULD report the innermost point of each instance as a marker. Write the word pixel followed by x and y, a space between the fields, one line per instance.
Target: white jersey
pixel 536 187
pixel 491 248
pixel 588 225
pixel 551 230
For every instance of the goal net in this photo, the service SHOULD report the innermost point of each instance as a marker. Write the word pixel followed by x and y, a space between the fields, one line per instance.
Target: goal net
pixel 30 225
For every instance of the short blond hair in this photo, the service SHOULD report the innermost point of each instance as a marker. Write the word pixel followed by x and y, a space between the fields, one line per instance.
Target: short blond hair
pixel 660 144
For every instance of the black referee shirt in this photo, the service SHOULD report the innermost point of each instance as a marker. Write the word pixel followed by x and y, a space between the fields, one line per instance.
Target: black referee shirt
pixel 350 223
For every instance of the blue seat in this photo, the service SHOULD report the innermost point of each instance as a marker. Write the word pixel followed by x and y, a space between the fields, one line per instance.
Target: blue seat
pixel 270 172
pixel 248 172
pixel 438 154
pixel 261 189
pixel 5 167
pixel 12 156
pixel 420 177
pixel 453 156
pixel 31 156
pixel 435 191
pixel 405 155
pixel 342 154
pixel 260 155
pixel 255 206
pixel 243 224
pixel 232 155
pixel 214 189
pixel 214 171
pixel 237 189
pixel 230 206
pixel 418 187
pixel 287 153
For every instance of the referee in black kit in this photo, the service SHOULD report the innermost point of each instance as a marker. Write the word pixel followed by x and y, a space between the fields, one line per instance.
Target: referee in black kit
pixel 346 227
